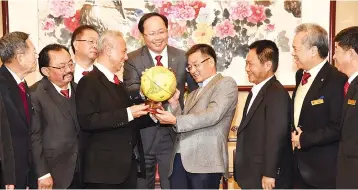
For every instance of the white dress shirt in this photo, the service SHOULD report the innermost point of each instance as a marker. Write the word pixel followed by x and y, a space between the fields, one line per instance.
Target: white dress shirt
pixel 17 78
pixel 352 77
pixel 164 55
pixel 255 90
pixel 109 75
pixel 302 91
pixel 59 89
pixel 77 75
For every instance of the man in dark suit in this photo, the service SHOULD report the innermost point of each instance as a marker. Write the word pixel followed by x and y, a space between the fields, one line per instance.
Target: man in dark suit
pixel 263 148
pixel 317 100
pixel 158 141
pixel 346 59
pixel 55 128
pixel 109 119
pixel 19 58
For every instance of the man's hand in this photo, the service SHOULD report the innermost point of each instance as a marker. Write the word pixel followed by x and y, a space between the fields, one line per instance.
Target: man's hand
pixel 174 100
pixel 45 183
pixel 139 110
pixel 295 137
pixel 165 117
pixel 268 183
pixel 10 187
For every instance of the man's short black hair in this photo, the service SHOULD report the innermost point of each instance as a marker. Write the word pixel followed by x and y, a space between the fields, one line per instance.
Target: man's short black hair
pixel 149 15
pixel 266 50
pixel 44 57
pixel 78 31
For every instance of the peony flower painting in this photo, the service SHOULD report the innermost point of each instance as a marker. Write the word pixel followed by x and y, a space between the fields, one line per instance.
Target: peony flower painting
pixel 229 26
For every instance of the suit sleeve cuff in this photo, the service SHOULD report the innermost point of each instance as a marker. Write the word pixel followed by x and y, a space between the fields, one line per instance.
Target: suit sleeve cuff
pixel 45 176
pixel 130 116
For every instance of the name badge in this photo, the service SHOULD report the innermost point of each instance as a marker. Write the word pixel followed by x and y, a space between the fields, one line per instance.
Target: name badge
pixel 351 102
pixel 316 102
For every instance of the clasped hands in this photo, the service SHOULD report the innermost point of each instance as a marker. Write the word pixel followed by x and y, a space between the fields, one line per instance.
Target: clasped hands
pixel 295 138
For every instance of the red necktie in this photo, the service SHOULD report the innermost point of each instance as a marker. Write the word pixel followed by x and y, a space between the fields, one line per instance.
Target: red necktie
pixel 158 58
pixel 65 93
pixel 305 78
pixel 23 95
pixel 116 80
pixel 346 86
pixel 84 73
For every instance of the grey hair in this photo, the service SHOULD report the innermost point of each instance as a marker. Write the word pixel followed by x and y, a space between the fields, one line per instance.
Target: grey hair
pixel 316 36
pixel 12 44
pixel 106 38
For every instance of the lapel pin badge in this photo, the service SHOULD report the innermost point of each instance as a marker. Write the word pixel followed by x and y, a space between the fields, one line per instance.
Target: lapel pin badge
pixel 322 79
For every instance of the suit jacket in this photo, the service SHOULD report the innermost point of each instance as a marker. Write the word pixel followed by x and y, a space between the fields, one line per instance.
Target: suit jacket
pixel 55 132
pixel 348 147
pixel 138 61
pixel 19 127
pixel 110 138
pixel 203 127
pixel 320 124
pixel 263 146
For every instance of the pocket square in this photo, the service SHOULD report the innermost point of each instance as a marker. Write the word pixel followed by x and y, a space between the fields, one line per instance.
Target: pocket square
pixel 317 102
pixel 351 102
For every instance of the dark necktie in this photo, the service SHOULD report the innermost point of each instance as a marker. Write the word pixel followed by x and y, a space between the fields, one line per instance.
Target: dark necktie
pixel 346 86
pixel 158 58
pixel 66 93
pixel 305 78
pixel 23 95
pixel 116 80
pixel 84 73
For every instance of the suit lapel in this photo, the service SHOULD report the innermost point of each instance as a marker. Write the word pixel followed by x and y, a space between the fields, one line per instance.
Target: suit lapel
pixel 350 95
pixel 108 84
pixel 172 60
pixel 15 94
pixel 255 104
pixel 56 98
pixel 194 99
pixel 146 58
pixel 313 92
pixel 72 107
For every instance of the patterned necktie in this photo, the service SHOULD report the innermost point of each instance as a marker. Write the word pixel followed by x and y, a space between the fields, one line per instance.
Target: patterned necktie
pixel 23 95
pixel 158 58
pixel 116 80
pixel 66 93
pixel 84 73
pixel 346 86
pixel 305 78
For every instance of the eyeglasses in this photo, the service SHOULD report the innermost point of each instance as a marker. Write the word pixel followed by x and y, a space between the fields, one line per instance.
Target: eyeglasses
pixel 62 69
pixel 196 65
pixel 90 42
pixel 153 34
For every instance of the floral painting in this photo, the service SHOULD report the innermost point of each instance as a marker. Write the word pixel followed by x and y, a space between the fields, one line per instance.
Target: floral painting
pixel 229 26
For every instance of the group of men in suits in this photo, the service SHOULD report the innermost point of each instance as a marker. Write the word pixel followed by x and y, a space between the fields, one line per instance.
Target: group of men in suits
pixel 317 125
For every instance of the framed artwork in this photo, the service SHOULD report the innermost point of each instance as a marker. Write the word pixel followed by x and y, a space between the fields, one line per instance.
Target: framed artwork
pixel 229 26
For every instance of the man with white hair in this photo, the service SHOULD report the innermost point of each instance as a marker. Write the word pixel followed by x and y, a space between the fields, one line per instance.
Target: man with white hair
pixel 108 117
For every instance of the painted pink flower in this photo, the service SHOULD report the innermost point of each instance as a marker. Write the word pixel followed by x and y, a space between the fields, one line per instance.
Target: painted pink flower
pixel 176 29
pixel 197 5
pixel 72 23
pixel 258 14
pixel 240 10
pixel 135 33
pixel 65 8
pixel 182 13
pixel 165 8
pixel 270 27
pixel 48 25
pixel 158 3
pixel 225 29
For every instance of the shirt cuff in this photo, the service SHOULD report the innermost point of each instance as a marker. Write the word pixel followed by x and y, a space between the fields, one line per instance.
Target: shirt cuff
pixel 130 116
pixel 142 95
pixel 45 176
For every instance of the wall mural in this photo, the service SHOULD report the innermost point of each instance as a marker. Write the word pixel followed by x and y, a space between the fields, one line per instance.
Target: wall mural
pixel 229 26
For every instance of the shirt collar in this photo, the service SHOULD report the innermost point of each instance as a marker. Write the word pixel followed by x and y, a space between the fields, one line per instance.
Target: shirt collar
pixel 352 77
pixel 80 69
pixel 105 71
pixel 163 54
pixel 17 78
pixel 256 88
pixel 59 89
pixel 314 71
pixel 206 81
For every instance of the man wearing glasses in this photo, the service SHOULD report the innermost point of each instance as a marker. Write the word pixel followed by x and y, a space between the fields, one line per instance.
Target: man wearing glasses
pixel 55 129
pixel 200 156
pixel 84 46
pixel 158 140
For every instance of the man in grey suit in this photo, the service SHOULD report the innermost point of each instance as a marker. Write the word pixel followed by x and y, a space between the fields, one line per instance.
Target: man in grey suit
pixel 200 156
pixel 55 129
pixel 158 140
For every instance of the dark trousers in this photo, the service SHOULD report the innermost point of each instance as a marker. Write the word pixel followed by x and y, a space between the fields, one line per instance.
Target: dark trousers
pixel 76 182
pixel 298 182
pixel 129 183
pixel 160 153
pixel 181 179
